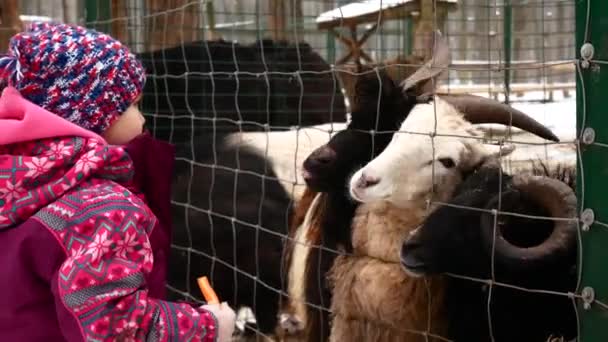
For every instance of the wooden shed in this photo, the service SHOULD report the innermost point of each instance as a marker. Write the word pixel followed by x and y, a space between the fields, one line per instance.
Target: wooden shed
pixel 373 13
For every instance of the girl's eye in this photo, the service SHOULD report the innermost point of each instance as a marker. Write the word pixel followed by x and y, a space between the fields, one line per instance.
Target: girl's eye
pixel 448 163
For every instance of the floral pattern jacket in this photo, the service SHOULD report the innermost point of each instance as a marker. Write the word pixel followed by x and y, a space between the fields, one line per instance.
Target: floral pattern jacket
pixel 75 243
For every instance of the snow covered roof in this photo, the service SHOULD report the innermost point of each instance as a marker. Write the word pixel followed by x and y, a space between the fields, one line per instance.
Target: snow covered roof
pixel 365 7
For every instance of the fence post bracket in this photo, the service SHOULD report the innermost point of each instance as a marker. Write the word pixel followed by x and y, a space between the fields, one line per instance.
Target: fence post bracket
pixel 587 217
pixel 588 136
pixel 587 51
pixel 588 296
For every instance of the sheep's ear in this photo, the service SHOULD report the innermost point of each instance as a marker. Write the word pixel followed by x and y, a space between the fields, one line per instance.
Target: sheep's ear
pixel 426 77
pixel 497 151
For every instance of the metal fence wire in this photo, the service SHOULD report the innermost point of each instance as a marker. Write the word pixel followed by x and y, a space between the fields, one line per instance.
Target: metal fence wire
pixel 288 194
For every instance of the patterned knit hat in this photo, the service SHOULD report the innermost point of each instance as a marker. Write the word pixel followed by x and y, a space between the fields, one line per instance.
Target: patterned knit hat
pixel 82 75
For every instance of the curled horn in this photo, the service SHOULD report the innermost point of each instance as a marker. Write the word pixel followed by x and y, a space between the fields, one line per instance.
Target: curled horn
pixel 433 68
pixel 553 195
pixel 478 110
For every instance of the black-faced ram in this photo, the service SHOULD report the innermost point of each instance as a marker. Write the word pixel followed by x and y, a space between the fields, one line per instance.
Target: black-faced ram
pixel 528 252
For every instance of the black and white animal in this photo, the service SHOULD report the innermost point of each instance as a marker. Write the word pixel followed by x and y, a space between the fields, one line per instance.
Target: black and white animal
pixel 233 199
pixel 230 216
pixel 435 147
pixel 532 253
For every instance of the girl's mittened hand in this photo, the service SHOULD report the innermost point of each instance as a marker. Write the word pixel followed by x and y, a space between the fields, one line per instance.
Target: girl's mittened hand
pixel 226 318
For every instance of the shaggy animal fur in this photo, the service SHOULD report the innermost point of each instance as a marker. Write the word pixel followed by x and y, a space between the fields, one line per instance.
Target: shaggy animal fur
pixel 219 245
pixel 306 231
pixel 373 299
pixel 450 242
pixel 563 172
pixel 379 108
pixel 307 266
pixel 330 219
pixel 222 82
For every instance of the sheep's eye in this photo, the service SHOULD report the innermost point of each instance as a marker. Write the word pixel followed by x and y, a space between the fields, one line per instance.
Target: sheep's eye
pixel 447 162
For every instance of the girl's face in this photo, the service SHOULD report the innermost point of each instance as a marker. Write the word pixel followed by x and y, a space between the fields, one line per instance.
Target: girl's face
pixel 128 126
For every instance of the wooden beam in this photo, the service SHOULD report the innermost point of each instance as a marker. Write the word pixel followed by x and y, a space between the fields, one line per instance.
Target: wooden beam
pixel 341 38
pixel 10 24
pixel 354 44
pixel 424 25
pixel 169 29
pixel 356 50
pixel 120 21
pixel 276 19
pixel 365 56
pixel 367 34
pixel 345 58
pixel 364 38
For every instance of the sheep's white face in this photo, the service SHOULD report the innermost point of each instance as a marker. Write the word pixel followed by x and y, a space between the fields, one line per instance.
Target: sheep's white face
pixel 416 167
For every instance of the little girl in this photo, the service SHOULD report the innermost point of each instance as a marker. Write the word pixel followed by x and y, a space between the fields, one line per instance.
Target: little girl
pixel 84 199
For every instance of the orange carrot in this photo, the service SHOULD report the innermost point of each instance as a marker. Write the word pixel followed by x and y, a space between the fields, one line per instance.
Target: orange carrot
pixel 207 290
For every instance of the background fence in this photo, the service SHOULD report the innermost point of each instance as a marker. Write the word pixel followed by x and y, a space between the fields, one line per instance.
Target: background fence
pixel 483 34
pixel 526 52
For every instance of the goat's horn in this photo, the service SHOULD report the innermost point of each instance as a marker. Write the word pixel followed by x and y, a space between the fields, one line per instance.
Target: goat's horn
pixel 478 110
pixel 432 68
pixel 560 202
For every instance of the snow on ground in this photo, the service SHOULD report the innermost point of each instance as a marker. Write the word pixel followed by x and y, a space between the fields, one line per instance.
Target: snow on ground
pixel 355 9
pixel 559 116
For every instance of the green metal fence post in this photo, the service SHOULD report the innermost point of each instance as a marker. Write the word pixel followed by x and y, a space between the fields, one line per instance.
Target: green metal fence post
pixel 591 93
pixel 260 25
pixel 409 46
pixel 507 39
pixel 331 47
pixel 95 11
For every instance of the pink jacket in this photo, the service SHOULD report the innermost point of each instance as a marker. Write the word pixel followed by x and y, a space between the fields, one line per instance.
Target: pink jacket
pixel 82 252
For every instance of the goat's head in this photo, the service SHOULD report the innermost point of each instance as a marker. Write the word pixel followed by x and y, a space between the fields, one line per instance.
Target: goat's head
pixel 436 146
pixel 379 107
pixel 366 135
pixel 459 237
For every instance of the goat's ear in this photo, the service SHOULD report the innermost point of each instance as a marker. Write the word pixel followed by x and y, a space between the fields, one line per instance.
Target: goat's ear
pixel 497 151
pixel 389 86
pixel 369 85
pixel 426 77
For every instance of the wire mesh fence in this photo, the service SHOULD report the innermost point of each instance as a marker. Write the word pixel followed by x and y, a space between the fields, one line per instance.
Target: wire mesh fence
pixel 312 191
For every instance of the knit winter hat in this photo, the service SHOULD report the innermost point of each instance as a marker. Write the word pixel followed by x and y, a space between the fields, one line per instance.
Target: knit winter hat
pixel 82 75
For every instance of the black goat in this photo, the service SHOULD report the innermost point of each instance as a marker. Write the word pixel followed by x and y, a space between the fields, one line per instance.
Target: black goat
pixel 529 253
pixel 220 82
pixel 238 192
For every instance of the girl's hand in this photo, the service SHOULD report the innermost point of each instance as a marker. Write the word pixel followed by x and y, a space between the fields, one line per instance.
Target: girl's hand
pixel 226 318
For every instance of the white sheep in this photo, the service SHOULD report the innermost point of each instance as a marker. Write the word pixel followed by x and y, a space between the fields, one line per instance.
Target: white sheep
pixel 436 145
